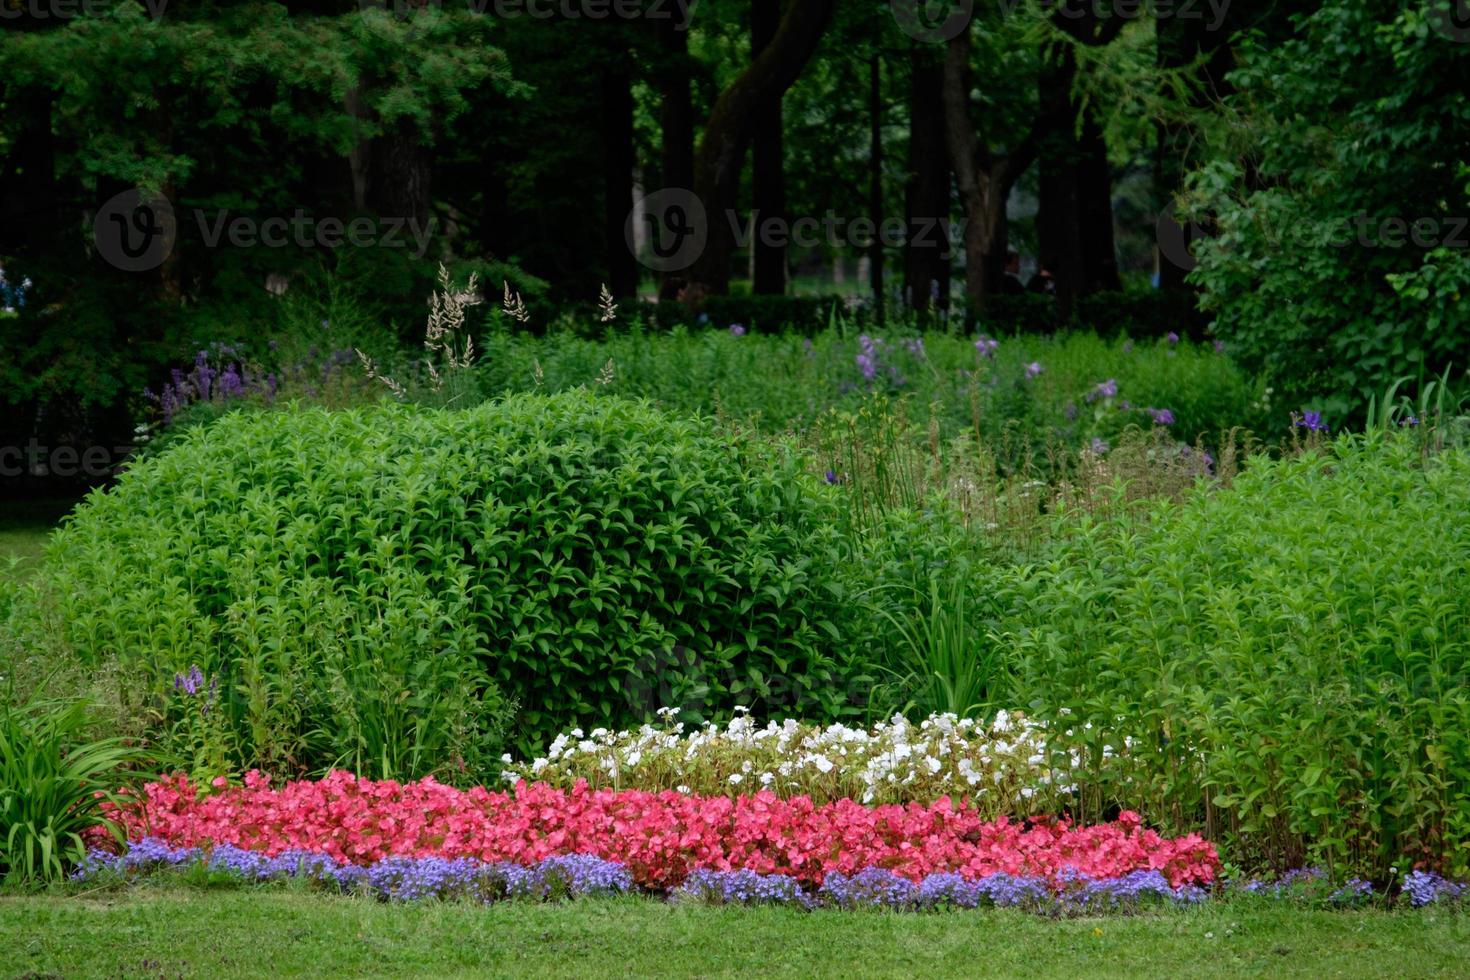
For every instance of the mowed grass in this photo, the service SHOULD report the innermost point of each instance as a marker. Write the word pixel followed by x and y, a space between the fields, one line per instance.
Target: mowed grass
pixel 176 932
pixel 24 528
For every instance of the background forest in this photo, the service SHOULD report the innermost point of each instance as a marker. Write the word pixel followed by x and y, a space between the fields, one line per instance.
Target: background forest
pixel 1147 164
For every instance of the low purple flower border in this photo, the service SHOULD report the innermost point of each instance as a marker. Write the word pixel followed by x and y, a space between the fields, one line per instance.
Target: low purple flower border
pixel 583 875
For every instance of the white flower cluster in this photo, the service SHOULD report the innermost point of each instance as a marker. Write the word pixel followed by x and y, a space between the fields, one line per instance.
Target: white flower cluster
pixel 1003 766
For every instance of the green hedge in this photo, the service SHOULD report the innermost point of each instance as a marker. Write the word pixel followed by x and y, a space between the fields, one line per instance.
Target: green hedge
pixel 384 580
pixel 1291 656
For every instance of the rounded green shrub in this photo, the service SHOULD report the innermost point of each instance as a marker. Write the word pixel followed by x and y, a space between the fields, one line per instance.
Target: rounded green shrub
pixel 370 588
pixel 1290 657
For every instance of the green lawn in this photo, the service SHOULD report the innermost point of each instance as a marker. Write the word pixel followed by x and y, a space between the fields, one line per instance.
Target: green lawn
pixel 24 527
pixel 175 932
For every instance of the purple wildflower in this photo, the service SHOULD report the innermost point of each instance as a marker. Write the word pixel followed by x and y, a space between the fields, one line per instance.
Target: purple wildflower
pixel 742 888
pixel 738 329
pixel 867 358
pixel 1033 369
pixel 1426 888
pixel 1104 389
pixel 987 346
pixel 1312 422
pixel 1161 416
pixel 191 682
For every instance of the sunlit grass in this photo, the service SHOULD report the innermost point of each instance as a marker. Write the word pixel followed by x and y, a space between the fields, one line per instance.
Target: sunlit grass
pixel 244 932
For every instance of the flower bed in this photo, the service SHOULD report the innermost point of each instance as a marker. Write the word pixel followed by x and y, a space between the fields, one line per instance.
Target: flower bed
pixel 658 837
pixel 1004 768
pixel 582 876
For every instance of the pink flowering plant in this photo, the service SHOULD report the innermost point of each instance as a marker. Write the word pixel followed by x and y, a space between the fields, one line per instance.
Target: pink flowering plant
pixel 660 837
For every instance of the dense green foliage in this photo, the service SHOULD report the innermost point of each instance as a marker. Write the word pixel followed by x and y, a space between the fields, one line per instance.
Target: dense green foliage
pixel 54 779
pixel 793 382
pixel 231 111
pixel 1338 195
pixel 1290 654
pixel 362 586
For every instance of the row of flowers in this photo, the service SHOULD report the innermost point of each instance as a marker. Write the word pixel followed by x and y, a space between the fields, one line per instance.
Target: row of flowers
pixel 659 837
pixel 1005 767
pixel 583 875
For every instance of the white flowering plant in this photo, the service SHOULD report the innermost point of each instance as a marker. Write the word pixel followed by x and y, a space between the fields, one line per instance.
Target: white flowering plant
pixel 1007 765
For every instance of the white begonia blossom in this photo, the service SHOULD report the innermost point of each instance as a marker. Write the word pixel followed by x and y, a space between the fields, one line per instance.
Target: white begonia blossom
pixel 1005 760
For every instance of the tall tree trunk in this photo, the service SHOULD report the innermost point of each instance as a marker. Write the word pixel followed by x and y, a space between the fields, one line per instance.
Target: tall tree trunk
pixel 1058 232
pixel 926 262
pixel 1095 211
pixel 1075 219
pixel 984 178
pixel 676 122
pixel 721 152
pixel 399 171
pixel 875 184
pixel 767 164
pixel 617 171
pixel 29 218
pixel 1181 41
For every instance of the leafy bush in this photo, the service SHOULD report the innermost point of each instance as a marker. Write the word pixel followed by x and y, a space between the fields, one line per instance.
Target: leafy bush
pixel 54 780
pixel 1292 653
pixel 1337 258
pixel 309 588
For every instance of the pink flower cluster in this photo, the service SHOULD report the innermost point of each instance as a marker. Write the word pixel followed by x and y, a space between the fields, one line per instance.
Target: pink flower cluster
pixel 660 837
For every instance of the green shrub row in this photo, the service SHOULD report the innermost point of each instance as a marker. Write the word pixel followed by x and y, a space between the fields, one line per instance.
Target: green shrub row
pixel 1293 654
pixel 376 588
